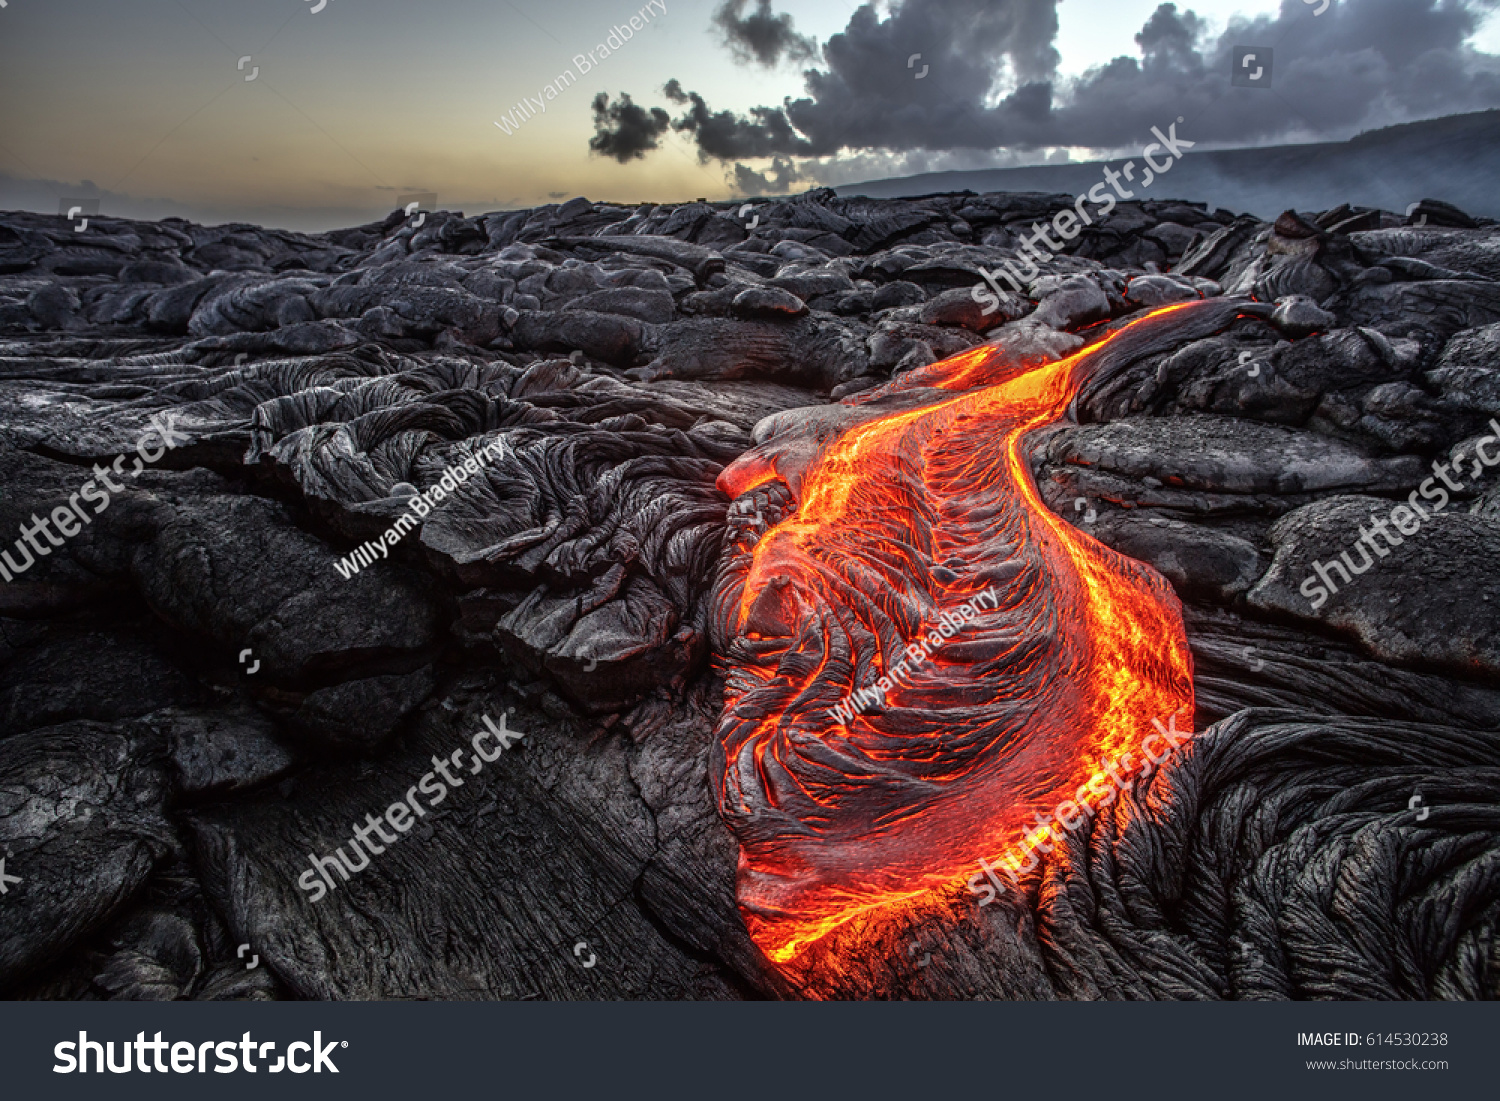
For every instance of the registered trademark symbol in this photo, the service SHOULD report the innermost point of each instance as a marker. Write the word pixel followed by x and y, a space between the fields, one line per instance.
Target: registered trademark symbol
pixel 345 1043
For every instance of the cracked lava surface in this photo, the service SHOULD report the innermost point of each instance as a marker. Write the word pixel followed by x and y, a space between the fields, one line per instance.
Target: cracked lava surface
pixel 898 506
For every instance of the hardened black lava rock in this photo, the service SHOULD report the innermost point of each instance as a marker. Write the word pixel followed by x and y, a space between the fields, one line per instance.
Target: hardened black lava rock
pixel 379 485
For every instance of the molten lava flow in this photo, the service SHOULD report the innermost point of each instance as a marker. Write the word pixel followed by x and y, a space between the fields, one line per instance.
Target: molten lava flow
pixel 910 501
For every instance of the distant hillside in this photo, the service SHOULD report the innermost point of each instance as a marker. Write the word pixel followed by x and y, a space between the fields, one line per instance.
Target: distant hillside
pixel 1456 159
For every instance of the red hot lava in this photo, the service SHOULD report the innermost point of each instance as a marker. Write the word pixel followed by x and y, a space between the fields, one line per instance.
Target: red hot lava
pixel 904 504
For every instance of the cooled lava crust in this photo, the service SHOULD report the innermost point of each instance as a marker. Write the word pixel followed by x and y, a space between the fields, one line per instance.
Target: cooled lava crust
pixel 857 528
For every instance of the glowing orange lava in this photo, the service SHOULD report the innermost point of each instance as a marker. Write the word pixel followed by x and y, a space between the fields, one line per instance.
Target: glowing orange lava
pixel 910 501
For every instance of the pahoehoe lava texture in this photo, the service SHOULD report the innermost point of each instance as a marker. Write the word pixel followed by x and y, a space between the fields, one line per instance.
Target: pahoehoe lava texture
pixel 659 389
pixel 918 508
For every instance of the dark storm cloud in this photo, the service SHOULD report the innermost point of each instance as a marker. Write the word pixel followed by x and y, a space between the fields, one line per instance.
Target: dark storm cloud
pixel 777 180
pixel 762 36
pixel 1363 63
pixel 624 130
pixel 991 80
pixel 1168 39
pixel 725 135
pixel 869 97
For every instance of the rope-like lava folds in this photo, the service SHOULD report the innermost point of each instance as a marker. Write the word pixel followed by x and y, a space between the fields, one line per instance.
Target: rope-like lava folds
pixel 899 507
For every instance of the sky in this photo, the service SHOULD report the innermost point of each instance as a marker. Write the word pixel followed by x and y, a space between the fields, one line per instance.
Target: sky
pixel 341 108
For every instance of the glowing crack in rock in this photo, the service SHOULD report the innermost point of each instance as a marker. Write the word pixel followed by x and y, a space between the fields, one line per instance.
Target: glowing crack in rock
pixel 898 506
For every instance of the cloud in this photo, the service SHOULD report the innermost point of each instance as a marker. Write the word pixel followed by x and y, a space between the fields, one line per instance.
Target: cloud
pixel 787 174
pixel 777 180
pixel 1362 64
pixel 940 76
pixel 866 97
pixel 727 136
pixel 1168 39
pixel 624 130
pixel 761 36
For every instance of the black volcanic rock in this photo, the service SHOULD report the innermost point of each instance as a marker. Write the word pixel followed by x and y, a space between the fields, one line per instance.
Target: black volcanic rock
pixel 1410 599
pixel 592 369
pixel 82 825
pixel 767 302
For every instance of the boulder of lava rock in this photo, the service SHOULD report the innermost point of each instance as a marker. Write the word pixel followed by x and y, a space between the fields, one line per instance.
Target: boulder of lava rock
pixel 219 751
pixel 1069 303
pixel 1177 459
pixel 607 337
pixel 1153 291
pixel 1297 315
pixel 655 307
pixel 45 579
pixel 82 826
pixel 1202 563
pixel 767 302
pixel 976 311
pixel 1415 586
pixel 343 658
pixel 815 351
